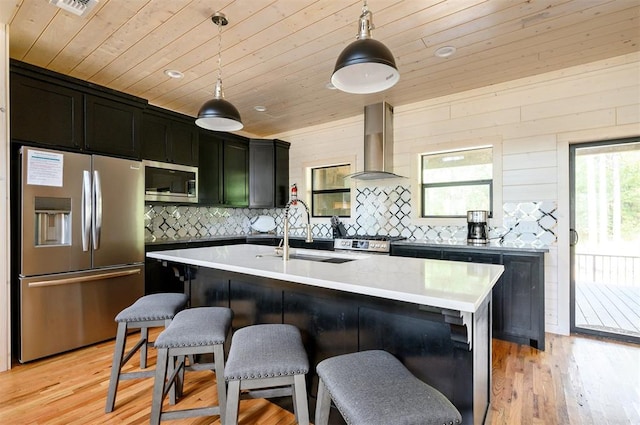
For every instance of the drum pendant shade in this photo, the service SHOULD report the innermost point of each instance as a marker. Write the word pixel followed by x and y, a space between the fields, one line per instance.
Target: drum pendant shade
pixel 218 114
pixel 366 65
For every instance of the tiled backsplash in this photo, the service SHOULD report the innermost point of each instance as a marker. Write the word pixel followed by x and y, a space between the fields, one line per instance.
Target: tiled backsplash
pixel 379 210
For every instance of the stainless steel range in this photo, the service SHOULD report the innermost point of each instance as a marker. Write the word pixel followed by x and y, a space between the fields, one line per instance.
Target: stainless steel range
pixel 369 243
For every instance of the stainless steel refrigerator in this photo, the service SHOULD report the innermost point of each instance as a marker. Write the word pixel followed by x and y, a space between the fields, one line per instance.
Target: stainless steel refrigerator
pixel 82 248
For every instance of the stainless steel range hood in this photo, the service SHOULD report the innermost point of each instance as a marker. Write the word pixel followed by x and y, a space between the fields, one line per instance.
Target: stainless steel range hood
pixel 378 143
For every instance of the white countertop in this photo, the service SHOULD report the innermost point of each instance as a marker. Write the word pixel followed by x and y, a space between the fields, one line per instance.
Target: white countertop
pixel 439 283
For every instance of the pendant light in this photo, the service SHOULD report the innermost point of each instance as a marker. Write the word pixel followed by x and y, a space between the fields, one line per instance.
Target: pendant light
pixel 365 65
pixel 218 114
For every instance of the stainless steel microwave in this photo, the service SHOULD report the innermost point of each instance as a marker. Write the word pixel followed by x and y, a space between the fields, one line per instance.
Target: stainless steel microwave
pixel 164 182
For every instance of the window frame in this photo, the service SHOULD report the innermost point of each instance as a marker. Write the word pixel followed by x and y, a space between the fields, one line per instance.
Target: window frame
pixel 480 182
pixel 328 191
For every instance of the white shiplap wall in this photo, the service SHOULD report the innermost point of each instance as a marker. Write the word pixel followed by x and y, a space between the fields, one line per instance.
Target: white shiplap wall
pixel 531 120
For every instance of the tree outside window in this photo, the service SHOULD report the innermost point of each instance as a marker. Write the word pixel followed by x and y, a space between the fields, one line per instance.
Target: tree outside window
pixel 330 191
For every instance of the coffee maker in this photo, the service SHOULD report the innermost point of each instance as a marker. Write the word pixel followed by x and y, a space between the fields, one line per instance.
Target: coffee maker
pixel 477 232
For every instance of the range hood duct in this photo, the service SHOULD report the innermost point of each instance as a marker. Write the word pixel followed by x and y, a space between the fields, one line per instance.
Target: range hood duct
pixel 378 143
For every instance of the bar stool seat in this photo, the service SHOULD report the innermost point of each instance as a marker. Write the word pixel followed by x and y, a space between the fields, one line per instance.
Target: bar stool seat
pixel 146 312
pixel 201 330
pixel 373 387
pixel 271 361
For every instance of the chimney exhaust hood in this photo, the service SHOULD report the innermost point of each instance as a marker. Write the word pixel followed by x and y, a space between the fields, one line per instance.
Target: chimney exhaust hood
pixel 378 143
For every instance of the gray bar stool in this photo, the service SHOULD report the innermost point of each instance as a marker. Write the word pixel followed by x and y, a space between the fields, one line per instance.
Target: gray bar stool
pixel 201 330
pixel 149 311
pixel 271 361
pixel 373 387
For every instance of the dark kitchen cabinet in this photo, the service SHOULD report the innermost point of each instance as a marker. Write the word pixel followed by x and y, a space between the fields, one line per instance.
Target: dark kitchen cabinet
pixel 207 289
pixel 161 276
pixel 46 113
pixel 518 297
pixel 223 172
pixel 268 173
pixel 419 252
pixel 112 126
pixel 471 257
pixel 169 137
pixel 253 303
pixel 327 323
pixel 520 293
pixel 432 343
pixel 48 108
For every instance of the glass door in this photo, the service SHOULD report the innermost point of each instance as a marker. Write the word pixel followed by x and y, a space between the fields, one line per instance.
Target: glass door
pixel 605 238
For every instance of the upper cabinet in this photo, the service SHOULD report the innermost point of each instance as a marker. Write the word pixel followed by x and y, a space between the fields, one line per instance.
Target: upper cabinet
pixel 223 171
pixel 55 110
pixel 112 126
pixel 169 137
pixel 46 113
pixel 268 173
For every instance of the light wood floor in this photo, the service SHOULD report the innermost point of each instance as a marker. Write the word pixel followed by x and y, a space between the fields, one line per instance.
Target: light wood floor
pixel 577 380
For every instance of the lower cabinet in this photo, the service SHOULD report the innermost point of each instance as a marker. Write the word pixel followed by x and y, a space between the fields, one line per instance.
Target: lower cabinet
pixel 428 340
pixel 160 276
pixel 520 293
pixel 518 297
pixel 329 325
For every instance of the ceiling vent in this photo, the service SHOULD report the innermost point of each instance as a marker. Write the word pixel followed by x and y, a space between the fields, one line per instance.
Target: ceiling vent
pixel 77 7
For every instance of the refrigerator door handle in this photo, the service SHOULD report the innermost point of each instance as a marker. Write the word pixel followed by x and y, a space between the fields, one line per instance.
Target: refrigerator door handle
pixel 100 276
pixel 97 210
pixel 86 209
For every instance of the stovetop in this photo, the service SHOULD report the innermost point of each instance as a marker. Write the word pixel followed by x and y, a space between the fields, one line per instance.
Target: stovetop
pixel 369 243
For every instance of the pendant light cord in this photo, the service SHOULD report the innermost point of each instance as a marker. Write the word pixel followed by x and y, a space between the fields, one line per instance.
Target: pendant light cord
pixel 220 51
pixel 220 20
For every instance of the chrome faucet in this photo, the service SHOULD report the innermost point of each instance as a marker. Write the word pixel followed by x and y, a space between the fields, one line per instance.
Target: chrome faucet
pixel 285 244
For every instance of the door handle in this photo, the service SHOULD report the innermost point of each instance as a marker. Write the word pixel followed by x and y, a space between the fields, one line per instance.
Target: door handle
pixel 85 209
pixel 97 210
pixel 573 237
pixel 79 279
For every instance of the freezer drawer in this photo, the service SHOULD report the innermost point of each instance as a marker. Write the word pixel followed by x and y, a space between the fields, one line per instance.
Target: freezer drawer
pixel 70 310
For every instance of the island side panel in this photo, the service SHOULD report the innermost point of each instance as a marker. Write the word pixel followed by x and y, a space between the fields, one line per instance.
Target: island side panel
pixel 335 322
pixel 482 360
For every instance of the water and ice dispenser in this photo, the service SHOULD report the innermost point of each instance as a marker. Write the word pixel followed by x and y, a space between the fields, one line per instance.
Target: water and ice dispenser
pixel 53 221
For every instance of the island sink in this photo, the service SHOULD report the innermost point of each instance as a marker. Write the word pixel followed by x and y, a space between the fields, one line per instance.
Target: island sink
pixel 334 260
pixel 310 255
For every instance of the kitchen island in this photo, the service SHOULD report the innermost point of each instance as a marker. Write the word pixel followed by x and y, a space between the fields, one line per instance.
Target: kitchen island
pixel 435 316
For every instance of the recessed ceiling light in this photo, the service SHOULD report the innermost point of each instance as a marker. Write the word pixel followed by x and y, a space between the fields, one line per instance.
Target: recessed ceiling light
pixel 330 86
pixel 445 52
pixel 173 73
pixel 260 108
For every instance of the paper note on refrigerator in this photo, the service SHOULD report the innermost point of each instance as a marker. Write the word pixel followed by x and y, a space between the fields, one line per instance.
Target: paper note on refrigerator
pixel 44 168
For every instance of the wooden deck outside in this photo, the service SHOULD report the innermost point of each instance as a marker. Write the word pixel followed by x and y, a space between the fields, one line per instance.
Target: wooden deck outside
pixel 608 308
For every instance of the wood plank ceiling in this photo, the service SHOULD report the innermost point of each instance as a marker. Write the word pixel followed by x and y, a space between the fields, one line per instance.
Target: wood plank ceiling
pixel 280 53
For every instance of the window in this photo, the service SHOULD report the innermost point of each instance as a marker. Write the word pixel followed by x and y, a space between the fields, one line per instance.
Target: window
pixel 456 182
pixel 330 191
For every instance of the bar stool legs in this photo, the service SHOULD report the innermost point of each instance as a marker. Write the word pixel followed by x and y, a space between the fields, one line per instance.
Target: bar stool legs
pixel 194 331
pixel 147 312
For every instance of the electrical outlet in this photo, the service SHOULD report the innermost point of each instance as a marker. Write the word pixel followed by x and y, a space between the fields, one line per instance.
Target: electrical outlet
pixel 527 226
